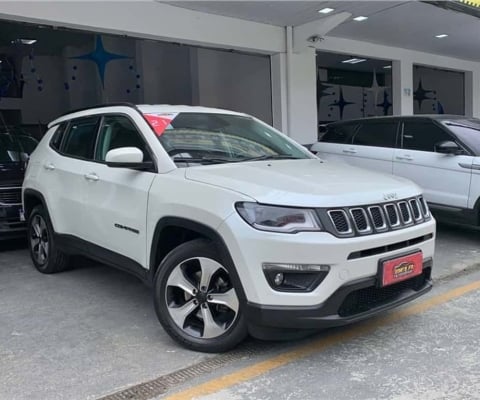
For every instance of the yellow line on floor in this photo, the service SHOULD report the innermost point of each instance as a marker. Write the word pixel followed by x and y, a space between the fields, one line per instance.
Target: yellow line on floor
pixel 263 367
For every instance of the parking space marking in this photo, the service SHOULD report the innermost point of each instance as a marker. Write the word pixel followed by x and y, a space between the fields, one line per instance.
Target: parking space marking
pixel 255 370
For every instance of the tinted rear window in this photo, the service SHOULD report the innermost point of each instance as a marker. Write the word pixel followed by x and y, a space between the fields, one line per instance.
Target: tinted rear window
pixel 379 134
pixel 339 133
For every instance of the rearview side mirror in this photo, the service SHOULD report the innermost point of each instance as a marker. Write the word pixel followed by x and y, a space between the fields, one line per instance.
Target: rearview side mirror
pixel 448 147
pixel 127 157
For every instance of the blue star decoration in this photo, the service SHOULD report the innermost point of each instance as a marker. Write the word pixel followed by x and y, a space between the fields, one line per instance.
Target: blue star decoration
pixel 421 94
pixel 385 104
pixel 101 58
pixel 341 103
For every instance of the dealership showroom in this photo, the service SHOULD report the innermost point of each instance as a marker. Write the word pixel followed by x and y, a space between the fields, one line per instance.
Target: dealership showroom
pixel 239 200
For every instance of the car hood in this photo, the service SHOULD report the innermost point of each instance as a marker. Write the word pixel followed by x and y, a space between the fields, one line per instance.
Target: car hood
pixel 304 183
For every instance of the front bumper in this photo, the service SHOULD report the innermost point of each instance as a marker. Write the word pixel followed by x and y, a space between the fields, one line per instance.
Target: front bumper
pixel 352 302
pixel 351 260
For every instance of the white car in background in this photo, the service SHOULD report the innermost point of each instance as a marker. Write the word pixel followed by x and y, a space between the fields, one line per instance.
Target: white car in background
pixel 441 153
pixel 237 227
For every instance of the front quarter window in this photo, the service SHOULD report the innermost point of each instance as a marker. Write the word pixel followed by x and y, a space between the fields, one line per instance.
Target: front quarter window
pixel 206 138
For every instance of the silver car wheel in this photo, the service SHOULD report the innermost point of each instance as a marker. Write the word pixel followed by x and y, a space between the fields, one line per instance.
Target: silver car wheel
pixel 200 298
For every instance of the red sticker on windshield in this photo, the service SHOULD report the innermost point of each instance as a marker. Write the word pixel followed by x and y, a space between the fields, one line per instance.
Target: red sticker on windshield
pixel 159 122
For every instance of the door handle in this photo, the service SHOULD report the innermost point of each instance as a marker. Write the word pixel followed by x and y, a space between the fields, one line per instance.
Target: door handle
pixel 349 151
pixel 49 167
pixel 92 177
pixel 406 158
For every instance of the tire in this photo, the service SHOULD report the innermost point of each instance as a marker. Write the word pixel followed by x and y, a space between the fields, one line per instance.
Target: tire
pixel 193 285
pixel 46 256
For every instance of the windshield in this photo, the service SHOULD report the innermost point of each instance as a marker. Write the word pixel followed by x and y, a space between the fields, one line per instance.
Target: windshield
pixel 467 130
pixel 204 138
pixel 15 148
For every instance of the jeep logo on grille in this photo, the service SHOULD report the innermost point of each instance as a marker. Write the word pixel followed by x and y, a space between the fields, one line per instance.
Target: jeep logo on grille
pixel 390 196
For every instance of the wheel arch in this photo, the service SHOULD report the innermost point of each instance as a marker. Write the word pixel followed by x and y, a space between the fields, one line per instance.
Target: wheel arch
pixel 31 199
pixel 162 244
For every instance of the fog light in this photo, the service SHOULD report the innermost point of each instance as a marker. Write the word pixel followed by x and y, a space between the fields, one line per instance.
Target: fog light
pixel 295 277
pixel 278 280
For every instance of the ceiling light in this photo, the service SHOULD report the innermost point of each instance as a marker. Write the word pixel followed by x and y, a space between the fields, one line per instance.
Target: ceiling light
pixel 387 67
pixel 441 36
pixel 326 10
pixel 354 60
pixel 360 18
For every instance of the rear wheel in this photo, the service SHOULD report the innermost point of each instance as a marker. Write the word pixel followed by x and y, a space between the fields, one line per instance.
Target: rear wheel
pixel 196 301
pixel 45 255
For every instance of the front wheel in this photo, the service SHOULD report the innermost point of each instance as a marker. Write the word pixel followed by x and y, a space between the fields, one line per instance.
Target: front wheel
pixel 196 301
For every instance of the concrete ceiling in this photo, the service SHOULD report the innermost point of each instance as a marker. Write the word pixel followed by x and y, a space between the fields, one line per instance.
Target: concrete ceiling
pixel 407 24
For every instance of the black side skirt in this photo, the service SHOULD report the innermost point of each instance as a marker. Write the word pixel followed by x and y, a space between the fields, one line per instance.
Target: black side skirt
pixel 73 245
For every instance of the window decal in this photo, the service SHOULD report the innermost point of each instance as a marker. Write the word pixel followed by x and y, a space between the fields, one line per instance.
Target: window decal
pixel 160 122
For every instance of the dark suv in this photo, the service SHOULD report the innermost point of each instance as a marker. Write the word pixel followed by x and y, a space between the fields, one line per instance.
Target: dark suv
pixel 15 148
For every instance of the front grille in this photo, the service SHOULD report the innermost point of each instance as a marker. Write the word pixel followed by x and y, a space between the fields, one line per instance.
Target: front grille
pixel 340 221
pixel 376 218
pixel 392 215
pixel 415 209
pixel 360 219
pixel 10 195
pixel 405 211
pixel 363 300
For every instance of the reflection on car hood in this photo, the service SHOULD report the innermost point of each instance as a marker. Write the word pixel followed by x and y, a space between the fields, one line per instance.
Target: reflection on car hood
pixel 304 183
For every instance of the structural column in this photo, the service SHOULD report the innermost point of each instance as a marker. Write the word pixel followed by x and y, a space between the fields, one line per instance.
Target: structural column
pixel 294 85
pixel 402 87
pixel 472 93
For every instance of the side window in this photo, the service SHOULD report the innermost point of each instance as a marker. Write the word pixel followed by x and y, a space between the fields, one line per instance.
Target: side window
pixel 422 136
pixel 118 131
pixel 338 133
pixel 57 137
pixel 80 139
pixel 378 134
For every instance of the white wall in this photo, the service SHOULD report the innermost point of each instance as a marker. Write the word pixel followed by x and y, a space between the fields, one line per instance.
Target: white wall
pixel 150 19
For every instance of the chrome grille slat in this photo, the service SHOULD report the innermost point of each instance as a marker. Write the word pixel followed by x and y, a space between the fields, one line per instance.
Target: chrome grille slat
pixel 417 216
pixel 360 220
pixel 405 213
pixel 378 218
pixel 340 221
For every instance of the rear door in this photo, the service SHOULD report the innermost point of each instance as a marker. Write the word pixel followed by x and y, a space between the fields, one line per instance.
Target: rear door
pixel 335 140
pixel 367 144
pixel 62 174
pixel 444 178
pixel 373 145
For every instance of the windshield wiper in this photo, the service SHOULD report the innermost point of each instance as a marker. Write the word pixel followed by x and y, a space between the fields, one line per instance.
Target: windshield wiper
pixel 271 157
pixel 202 160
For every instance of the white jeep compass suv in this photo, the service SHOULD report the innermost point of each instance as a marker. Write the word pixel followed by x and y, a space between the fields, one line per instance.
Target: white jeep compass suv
pixel 237 227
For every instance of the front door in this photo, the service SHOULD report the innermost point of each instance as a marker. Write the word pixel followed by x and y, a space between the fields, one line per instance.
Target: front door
pixel 444 178
pixel 117 198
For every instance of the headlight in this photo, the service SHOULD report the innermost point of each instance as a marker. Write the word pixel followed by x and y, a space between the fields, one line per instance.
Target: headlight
pixel 279 219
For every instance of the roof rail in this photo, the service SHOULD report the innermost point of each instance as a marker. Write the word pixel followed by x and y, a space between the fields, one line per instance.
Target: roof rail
pixel 125 104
